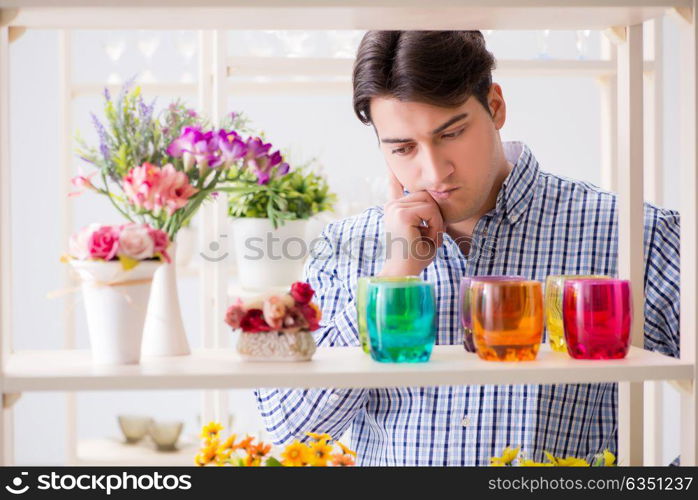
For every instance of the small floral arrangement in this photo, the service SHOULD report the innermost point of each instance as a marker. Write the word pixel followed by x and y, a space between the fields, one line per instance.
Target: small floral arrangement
pixel 298 194
pixel 509 455
pixel 319 452
pixel 288 313
pixel 128 243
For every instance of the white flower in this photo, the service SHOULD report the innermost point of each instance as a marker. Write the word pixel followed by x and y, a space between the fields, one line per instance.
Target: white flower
pixel 78 244
pixel 135 242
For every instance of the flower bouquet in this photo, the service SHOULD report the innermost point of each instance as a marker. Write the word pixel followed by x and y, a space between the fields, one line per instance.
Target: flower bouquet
pixel 160 168
pixel 246 453
pixel 276 327
pixel 116 264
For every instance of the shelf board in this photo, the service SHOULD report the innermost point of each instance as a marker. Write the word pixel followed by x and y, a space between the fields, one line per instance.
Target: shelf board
pixel 115 452
pixel 335 14
pixel 73 370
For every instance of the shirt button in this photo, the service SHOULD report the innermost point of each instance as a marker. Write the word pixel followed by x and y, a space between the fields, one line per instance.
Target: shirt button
pixel 465 422
pixel 334 397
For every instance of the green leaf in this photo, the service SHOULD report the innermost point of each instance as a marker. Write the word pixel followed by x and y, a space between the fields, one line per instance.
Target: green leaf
pixel 272 462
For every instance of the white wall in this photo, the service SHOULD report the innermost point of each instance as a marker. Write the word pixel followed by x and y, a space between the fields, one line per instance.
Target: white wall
pixel 558 117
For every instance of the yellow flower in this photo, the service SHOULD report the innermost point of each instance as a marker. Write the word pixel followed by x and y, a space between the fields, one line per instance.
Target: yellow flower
pixel 531 463
pixel 296 454
pixel 229 444
pixel 550 457
pixel 319 437
pixel 346 450
pixel 252 461
pixel 572 462
pixel 609 458
pixel 211 430
pixel 319 453
pixel 508 456
pixel 208 453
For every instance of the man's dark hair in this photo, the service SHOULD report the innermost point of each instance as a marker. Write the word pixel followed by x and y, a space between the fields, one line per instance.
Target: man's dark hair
pixel 442 68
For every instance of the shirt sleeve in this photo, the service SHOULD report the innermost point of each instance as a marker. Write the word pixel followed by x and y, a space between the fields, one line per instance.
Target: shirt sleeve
pixel 291 413
pixel 662 283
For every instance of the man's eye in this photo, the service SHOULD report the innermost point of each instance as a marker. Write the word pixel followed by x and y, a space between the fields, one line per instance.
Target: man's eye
pixel 451 135
pixel 402 150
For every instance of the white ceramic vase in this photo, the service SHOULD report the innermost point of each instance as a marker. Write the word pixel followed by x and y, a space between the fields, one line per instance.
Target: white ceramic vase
pixel 164 333
pixel 115 304
pixel 267 257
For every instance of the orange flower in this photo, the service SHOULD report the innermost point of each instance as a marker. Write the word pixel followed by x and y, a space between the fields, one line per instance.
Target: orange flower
pixel 260 450
pixel 244 444
pixel 320 453
pixel 251 461
pixel 342 460
pixel 207 454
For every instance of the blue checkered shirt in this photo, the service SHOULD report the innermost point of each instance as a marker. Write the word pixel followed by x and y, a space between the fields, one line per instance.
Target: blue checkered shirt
pixel 542 224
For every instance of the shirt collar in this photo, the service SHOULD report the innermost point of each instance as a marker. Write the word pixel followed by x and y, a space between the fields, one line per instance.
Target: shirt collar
pixel 519 187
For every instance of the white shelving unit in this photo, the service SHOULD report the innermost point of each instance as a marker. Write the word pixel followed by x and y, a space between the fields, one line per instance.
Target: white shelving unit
pixel 215 367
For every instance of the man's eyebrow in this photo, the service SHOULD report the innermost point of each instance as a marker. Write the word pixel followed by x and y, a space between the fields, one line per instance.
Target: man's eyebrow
pixel 438 129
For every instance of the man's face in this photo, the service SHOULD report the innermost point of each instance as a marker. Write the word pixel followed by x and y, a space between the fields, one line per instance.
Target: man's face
pixel 453 153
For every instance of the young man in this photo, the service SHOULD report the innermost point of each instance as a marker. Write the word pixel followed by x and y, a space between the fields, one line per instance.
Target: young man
pixel 468 205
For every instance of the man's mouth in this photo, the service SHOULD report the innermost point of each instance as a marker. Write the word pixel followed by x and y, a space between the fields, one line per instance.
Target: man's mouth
pixel 442 195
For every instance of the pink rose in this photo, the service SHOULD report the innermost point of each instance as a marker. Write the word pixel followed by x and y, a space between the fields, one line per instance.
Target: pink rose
pixel 302 292
pixel 104 243
pixel 160 243
pixel 274 311
pixel 234 314
pixel 78 245
pixel 135 241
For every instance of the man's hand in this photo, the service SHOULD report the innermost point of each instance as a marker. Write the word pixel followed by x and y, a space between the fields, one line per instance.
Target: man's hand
pixel 414 230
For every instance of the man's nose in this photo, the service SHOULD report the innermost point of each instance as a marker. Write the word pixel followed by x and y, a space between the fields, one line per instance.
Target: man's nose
pixel 435 167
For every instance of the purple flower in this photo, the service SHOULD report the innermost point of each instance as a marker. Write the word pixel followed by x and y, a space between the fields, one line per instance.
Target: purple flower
pixel 232 147
pixel 256 147
pixel 102 132
pixel 107 95
pixel 195 147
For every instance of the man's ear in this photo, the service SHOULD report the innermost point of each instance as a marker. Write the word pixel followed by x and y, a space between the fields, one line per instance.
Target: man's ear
pixel 497 105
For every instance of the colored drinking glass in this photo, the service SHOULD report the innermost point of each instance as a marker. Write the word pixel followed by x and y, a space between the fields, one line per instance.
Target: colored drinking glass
pixel 597 316
pixel 361 288
pixel 401 319
pixel 554 286
pixel 507 319
pixel 464 313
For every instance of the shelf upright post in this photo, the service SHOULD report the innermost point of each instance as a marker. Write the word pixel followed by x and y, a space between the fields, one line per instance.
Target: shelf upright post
pixel 65 97
pixel 213 281
pixel 6 414
pixel 631 230
pixel 689 228
pixel 654 193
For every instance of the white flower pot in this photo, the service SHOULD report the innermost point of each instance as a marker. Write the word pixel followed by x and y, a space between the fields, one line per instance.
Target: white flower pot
pixel 268 257
pixel 164 334
pixel 115 304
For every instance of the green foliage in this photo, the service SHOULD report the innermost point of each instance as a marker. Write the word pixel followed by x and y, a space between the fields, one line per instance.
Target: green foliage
pixel 299 194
